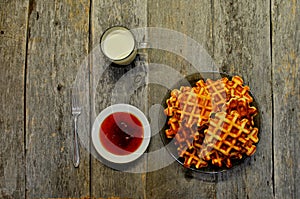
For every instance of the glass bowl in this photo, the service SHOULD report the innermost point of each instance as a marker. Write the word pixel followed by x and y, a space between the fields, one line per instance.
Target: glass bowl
pixel 169 143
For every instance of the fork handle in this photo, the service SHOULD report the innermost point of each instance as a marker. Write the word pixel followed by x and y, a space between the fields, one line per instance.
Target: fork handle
pixel 76 157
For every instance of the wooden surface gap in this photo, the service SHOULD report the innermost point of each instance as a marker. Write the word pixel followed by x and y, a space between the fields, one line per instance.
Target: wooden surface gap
pixel 272 88
pixel 29 5
pixel 212 10
pixel 90 45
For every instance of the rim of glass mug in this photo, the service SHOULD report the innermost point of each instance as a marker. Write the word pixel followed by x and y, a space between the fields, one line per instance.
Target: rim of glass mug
pixel 129 55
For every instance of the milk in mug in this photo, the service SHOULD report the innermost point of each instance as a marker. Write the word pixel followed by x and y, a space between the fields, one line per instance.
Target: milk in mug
pixel 118 44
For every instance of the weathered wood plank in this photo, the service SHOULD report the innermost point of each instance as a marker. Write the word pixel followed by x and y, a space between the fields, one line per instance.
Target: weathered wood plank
pixel 242 46
pixel 13 26
pixel 286 94
pixel 193 19
pixel 57 44
pixel 105 181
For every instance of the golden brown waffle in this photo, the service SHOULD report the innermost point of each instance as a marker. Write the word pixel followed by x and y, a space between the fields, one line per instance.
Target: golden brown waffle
pixel 212 123
pixel 216 158
pixel 191 158
pixel 198 140
pixel 201 87
pixel 218 91
pixel 201 84
pixel 184 138
pixel 186 103
pixel 194 108
pixel 242 106
pixel 229 136
pixel 172 103
pixel 224 130
pixel 174 126
pixel 249 147
pixel 236 89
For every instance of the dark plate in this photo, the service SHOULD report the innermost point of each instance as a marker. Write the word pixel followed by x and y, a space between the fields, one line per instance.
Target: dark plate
pixel 169 143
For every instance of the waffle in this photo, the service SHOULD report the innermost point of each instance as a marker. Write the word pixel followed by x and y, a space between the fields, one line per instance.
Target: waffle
pixel 226 130
pixel 172 103
pixel 217 159
pixel 249 147
pixel 184 106
pixel 191 158
pixel 198 140
pixel 194 108
pixel 218 91
pixel 236 89
pixel 242 106
pixel 201 84
pixel 184 138
pixel 212 122
pixel 174 126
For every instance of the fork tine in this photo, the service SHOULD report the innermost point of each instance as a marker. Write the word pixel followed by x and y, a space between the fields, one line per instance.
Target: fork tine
pixel 76 102
pixel 75 99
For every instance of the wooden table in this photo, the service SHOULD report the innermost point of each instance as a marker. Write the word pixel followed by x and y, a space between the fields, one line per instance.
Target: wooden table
pixel 43 44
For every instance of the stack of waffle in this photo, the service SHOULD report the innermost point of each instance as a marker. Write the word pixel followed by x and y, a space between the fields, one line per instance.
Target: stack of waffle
pixel 212 122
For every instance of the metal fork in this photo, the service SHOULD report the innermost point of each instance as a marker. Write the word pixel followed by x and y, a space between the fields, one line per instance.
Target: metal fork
pixel 76 111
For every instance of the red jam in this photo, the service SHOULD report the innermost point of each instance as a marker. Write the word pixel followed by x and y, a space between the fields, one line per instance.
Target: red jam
pixel 121 133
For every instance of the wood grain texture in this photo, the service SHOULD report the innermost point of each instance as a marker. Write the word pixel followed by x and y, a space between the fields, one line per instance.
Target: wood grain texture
pixel 242 47
pixel 258 40
pixel 107 13
pixel 286 95
pixel 105 181
pixel 13 24
pixel 57 44
pixel 194 19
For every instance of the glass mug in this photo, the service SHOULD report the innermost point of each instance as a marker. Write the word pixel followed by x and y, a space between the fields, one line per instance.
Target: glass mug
pixel 118 44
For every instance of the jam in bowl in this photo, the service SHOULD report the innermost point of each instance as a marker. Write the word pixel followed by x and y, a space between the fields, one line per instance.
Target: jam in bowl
pixel 121 133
